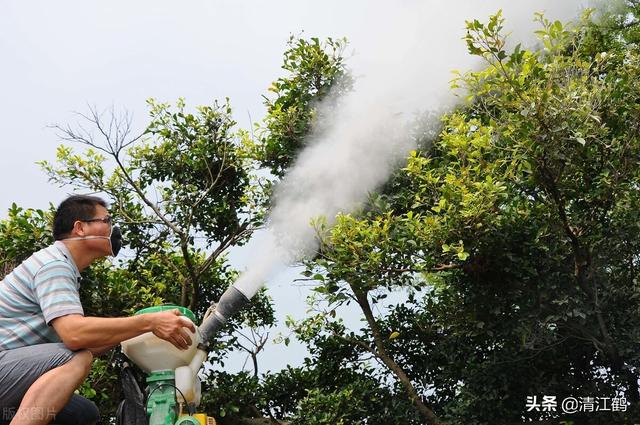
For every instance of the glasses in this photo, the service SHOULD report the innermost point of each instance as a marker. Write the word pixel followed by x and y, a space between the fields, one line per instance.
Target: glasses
pixel 105 220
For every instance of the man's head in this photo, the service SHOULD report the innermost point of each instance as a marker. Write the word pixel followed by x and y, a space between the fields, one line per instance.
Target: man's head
pixel 77 208
pixel 84 225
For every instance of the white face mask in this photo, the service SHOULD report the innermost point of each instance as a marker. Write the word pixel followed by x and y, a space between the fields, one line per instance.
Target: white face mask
pixel 114 238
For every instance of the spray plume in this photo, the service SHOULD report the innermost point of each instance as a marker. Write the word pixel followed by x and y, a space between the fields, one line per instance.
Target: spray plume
pixel 403 64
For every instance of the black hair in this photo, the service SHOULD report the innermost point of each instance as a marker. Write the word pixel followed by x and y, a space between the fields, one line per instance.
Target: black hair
pixel 72 209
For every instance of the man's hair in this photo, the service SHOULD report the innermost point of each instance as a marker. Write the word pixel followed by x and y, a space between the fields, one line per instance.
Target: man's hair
pixel 72 209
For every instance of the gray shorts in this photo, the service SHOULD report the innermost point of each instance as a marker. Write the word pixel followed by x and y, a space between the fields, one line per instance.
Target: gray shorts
pixel 21 367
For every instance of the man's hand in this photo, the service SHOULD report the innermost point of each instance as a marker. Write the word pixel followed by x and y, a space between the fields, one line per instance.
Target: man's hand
pixel 169 325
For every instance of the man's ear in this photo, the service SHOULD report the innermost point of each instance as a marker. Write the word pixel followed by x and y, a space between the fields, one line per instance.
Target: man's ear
pixel 78 228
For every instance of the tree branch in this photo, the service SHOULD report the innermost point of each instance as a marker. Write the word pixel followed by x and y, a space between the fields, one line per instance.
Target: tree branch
pixel 382 354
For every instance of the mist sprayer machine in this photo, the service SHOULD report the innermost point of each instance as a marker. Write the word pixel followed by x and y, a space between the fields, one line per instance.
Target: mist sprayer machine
pixel 173 387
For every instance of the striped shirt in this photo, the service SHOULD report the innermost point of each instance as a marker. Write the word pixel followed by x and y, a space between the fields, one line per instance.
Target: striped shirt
pixel 42 288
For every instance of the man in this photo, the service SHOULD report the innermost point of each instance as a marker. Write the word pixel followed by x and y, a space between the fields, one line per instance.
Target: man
pixel 46 343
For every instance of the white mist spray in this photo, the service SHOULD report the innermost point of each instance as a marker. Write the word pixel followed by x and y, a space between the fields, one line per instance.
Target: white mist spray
pixel 403 64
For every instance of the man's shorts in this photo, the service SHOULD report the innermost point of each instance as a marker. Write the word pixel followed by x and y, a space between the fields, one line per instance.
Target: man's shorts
pixel 21 367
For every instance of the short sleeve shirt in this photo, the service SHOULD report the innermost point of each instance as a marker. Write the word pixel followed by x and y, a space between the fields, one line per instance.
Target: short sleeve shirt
pixel 44 287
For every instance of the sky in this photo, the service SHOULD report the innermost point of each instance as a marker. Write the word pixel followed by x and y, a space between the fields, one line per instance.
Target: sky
pixel 61 57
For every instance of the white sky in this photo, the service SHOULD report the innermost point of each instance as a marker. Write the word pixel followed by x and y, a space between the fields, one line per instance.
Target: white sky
pixel 57 57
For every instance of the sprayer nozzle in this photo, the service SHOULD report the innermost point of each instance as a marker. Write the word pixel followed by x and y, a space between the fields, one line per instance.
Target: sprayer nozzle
pixel 229 304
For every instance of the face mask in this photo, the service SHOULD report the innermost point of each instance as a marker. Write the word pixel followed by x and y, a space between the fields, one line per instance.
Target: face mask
pixel 115 239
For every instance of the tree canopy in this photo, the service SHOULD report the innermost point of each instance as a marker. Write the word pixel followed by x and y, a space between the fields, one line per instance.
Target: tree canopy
pixel 510 238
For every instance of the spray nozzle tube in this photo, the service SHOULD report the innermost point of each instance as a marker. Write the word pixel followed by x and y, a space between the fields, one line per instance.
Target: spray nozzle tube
pixel 229 304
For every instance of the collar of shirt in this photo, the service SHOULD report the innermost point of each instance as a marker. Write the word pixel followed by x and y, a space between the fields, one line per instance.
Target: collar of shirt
pixel 65 251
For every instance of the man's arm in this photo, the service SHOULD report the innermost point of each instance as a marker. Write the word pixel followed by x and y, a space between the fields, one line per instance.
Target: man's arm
pixel 98 351
pixel 79 332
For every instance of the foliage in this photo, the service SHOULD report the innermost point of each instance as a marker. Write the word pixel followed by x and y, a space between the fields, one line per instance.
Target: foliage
pixel 22 232
pixel 181 193
pixel 500 263
pixel 316 73
pixel 184 192
pixel 182 185
pixel 512 235
pixel 333 386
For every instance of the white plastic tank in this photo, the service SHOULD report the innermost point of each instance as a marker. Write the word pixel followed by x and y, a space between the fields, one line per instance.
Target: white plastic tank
pixel 151 353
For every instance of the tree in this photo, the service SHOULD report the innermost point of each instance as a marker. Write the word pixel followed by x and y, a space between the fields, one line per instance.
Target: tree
pixel 183 193
pixel 22 233
pixel 316 73
pixel 185 177
pixel 514 234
